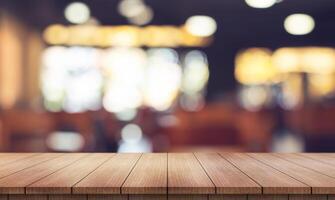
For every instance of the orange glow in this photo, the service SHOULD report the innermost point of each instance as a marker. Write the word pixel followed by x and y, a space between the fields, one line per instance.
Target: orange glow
pixel 10 62
pixel 106 36
pixel 254 66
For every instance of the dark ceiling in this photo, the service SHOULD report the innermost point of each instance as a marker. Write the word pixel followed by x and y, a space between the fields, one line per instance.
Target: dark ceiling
pixel 239 26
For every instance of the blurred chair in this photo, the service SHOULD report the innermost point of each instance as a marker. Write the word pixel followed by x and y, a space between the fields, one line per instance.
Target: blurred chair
pixel 24 130
pixel 255 129
pixel 315 123
pixel 212 126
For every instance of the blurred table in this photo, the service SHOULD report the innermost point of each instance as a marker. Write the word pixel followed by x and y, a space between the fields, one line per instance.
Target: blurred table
pixel 167 175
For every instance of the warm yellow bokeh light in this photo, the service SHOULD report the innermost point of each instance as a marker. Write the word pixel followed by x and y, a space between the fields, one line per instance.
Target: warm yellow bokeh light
pixel 254 66
pixel 321 84
pixel 312 60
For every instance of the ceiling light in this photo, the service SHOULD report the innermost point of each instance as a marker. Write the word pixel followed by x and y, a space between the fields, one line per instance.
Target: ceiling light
pixel 77 13
pixel 260 3
pixel 202 26
pixel 299 24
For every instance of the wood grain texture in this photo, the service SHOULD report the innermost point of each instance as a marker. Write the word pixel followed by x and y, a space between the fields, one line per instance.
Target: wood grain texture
pixel 107 197
pixel 226 177
pixel 309 163
pixel 67 197
pixel 62 181
pixel 27 197
pixel 268 197
pixel 6 158
pixel 15 183
pixel 109 177
pixel 321 184
pixel 3 197
pixel 149 176
pixel 227 197
pixel 331 197
pixel 147 197
pixel 13 167
pixel 308 197
pixel 189 197
pixel 272 180
pixel 186 176
pixel 321 157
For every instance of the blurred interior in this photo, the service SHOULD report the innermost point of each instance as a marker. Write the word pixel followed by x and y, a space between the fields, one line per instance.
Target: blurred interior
pixel 157 76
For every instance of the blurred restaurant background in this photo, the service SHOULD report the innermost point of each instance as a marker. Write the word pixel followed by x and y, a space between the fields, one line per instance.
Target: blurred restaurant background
pixel 157 76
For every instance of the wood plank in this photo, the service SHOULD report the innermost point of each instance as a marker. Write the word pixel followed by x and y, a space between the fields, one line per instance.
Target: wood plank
pixel 117 169
pixel 25 163
pixel 149 176
pixel 6 158
pixel 321 157
pixel 3 197
pixel 62 181
pixel 309 163
pixel 267 197
pixel 331 197
pixel 272 180
pixel 227 197
pixel 189 197
pixel 67 197
pixel 321 184
pixel 226 177
pixel 107 197
pixel 186 176
pixel 147 197
pixel 308 197
pixel 27 197
pixel 15 183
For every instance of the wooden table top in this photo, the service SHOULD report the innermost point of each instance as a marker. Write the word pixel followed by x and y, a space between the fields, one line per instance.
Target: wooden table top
pixel 167 173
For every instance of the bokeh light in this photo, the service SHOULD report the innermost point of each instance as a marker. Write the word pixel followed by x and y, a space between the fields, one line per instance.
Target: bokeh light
pixel 77 13
pixel 201 25
pixel 299 24
pixel 260 3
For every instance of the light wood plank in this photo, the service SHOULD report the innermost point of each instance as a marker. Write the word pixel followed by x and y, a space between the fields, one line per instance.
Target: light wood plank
pixel 25 163
pixel 321 184
pixel 15 183
pixel 227 197
pixel 267 197
pixel 186 176
pixel 6 158
pixel 109 177
pixel 149 176
pixel 308 197
pixel 321 157
pixel 272 180
pixel 67 197
pixel 62 181
pixel 226 177
pixel 27 197
pixel 309 163
pixel 107 197
pixel 147 197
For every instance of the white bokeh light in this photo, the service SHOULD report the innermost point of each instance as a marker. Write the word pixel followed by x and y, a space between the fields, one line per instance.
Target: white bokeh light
pixel 77 13
pixel 299 24
pixel 201 25
pixel 131 133
pixel 260 3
